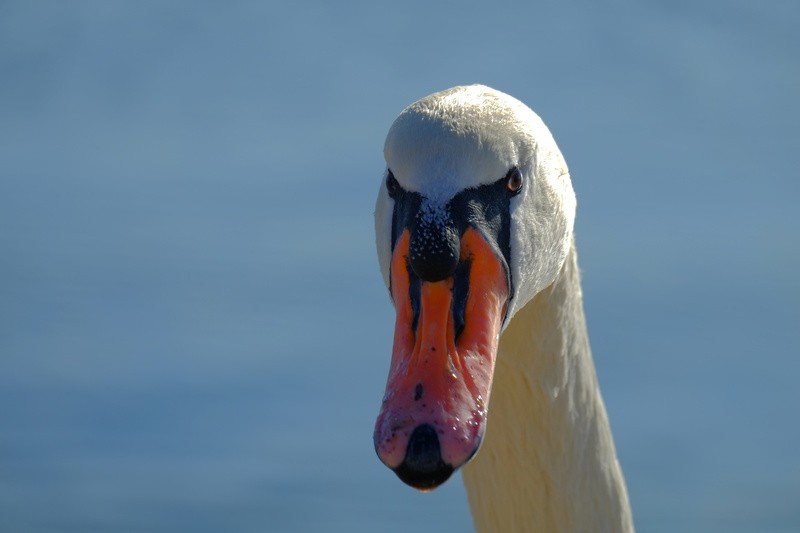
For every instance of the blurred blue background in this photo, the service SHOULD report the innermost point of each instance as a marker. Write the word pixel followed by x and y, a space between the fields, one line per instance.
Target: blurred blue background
pixel 194 335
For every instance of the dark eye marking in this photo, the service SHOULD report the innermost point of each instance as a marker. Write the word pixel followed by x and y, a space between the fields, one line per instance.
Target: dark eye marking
pixel 392 187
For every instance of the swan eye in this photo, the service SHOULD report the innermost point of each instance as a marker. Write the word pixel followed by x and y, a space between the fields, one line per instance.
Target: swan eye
pixel 392 187
pixel 514 180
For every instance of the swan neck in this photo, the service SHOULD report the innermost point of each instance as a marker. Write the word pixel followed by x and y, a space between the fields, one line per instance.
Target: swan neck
pixel 548 461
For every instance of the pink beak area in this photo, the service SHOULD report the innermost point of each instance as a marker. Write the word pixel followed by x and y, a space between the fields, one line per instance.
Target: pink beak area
pixel 434 410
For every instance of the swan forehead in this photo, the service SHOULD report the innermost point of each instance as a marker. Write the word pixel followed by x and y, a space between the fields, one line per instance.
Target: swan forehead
pixel 460 138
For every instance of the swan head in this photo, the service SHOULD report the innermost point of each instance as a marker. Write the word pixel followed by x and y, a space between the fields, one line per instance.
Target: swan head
pixel 474 217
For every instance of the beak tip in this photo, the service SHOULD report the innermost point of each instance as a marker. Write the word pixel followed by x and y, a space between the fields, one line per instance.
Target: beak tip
pixel 423 467
pixel 424 481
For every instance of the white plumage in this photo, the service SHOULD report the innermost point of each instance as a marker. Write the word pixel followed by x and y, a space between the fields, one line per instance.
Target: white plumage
pixel 547 462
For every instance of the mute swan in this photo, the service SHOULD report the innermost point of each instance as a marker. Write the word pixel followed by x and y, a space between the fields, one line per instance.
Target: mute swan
pixel 474 230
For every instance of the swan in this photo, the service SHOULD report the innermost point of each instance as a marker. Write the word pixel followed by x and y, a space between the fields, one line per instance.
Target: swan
pixel 474 231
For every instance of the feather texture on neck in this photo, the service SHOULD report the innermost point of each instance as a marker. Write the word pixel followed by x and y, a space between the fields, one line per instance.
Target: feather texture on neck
pixel 548 461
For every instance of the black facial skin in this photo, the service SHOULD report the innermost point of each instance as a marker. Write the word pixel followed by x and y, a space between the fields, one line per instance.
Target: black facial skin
pixel 434 246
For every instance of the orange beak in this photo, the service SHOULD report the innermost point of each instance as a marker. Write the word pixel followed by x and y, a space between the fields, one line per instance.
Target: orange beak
pixel 434 409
